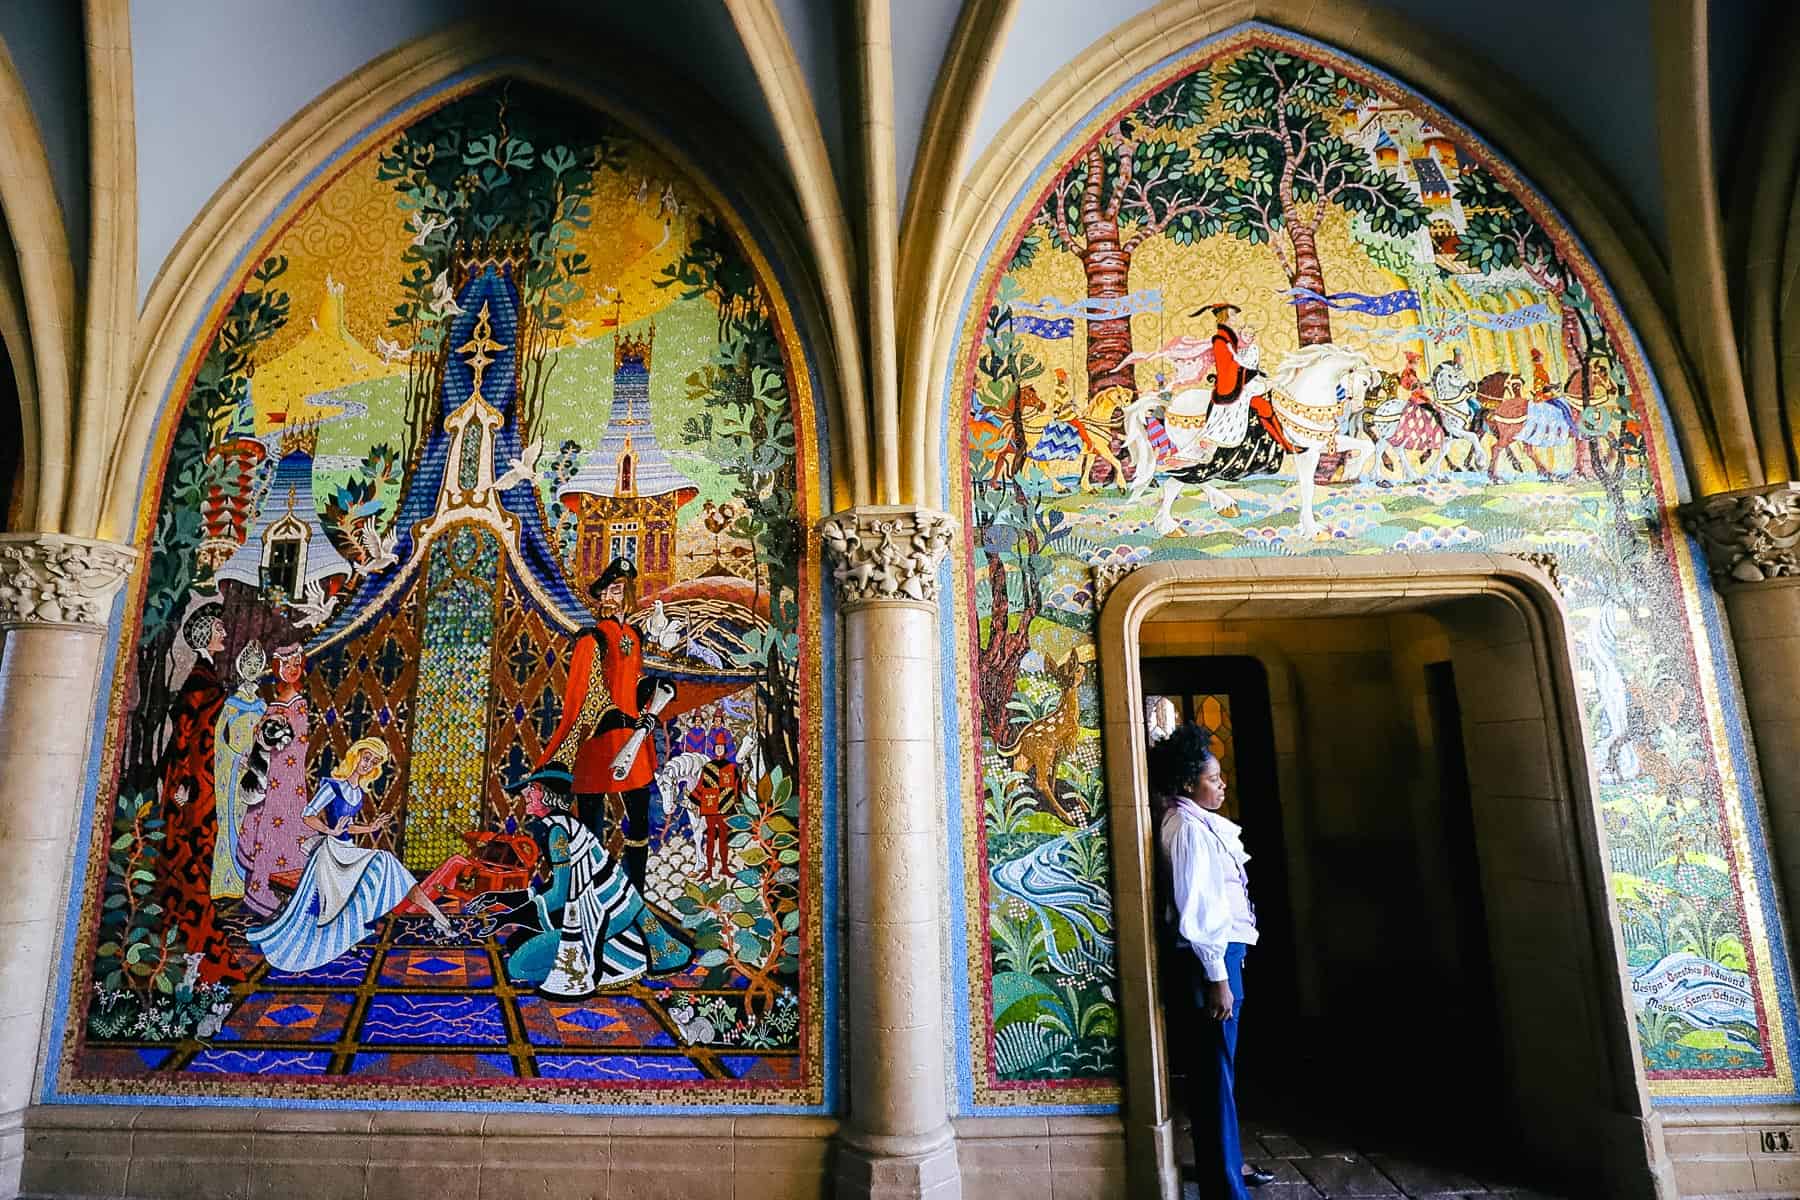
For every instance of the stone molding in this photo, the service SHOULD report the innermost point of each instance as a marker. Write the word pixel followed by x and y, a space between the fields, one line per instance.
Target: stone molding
pixel 1107 576
pixel 1546 562
pixel 51 579
pixel 879 552
pixel 1751 535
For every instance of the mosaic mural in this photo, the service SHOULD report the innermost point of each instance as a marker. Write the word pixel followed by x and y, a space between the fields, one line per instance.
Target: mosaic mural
pixel 464 739
pixel 1266 302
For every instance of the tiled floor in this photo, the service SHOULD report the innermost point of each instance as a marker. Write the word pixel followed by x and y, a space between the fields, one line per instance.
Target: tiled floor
pixel 1312 1164
pixel 408 1007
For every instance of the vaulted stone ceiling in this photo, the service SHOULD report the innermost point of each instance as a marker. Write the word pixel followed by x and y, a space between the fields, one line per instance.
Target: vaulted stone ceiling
pixel 210 88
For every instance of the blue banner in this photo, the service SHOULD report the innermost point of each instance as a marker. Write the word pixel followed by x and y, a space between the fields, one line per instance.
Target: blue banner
pixel 1109 309
pixel 1518 318
pixel 1045 328
pixel 1404 300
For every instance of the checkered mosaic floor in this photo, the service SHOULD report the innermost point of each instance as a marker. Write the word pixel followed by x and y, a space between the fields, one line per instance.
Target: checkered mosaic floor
pixel 405 1008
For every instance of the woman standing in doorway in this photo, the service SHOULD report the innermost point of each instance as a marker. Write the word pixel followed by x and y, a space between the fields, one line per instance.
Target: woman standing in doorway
pixel 1213 925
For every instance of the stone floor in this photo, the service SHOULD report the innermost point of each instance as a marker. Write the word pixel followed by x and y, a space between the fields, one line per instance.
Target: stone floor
pixel 1311 1163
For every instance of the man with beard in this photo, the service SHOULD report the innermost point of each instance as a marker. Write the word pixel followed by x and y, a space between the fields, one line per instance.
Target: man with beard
pixel 603 707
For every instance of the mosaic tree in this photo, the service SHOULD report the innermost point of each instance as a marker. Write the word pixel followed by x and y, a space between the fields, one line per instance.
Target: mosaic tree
pixel 1137 181
pixel 1285 165
pixel 1500 233
pixel 214 412
pixel 507 165
pixel 748 424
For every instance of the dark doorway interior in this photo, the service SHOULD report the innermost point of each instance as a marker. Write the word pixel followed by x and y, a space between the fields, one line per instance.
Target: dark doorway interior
pixel 1371 1034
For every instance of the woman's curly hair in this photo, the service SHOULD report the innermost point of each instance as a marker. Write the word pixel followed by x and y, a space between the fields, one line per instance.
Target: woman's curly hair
pixel 1178 761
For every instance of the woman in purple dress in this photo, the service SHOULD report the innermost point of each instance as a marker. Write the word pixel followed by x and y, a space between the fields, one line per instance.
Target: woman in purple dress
pixel 269 842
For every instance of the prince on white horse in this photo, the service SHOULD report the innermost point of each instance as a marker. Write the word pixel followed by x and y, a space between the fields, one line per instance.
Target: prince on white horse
pixel 1313 396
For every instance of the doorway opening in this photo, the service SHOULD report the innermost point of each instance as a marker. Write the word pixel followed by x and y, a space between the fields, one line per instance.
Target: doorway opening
pixel 1435 1001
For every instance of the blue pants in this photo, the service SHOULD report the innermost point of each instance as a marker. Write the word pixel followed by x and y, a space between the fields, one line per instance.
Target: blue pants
pixel 1212 1084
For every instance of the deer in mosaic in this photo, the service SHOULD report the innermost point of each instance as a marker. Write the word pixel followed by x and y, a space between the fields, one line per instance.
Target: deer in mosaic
pixel 1037 746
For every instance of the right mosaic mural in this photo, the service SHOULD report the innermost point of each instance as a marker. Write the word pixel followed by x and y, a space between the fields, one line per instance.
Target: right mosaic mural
pixel 1265 301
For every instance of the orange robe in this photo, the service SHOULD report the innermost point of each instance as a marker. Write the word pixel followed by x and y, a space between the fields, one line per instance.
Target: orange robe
pixel 600 707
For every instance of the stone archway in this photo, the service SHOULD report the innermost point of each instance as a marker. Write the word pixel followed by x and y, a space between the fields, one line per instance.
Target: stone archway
pixel 1580 1079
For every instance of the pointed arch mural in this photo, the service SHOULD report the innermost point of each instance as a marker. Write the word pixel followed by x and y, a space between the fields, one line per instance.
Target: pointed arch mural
pixel 1265 300
pixel 465 737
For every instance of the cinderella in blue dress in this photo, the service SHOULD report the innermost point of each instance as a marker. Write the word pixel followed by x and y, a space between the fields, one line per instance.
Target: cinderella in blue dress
pixel 345 888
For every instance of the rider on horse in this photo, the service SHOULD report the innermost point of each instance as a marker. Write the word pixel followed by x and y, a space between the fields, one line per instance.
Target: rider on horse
pixel 1236 377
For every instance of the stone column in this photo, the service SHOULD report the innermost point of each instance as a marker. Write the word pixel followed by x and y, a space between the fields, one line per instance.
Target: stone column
pixel 55 596
pixel 1752 543
pixel 897 1141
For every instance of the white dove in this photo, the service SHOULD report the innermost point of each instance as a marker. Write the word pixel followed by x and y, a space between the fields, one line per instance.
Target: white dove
pixel 443 300
pixel 390 350
pixel 316 607
pixel 521 468
pixel 379 551
pixel 425 226
pixel 663 629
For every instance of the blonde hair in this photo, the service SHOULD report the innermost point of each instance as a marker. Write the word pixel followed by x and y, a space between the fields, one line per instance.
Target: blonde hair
pixel 345 768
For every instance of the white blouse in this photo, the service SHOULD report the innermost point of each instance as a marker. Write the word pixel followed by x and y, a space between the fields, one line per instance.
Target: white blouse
pixel 1207 885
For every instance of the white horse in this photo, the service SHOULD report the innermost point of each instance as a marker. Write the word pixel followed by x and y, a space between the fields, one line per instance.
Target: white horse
pixel 1461 414
pixel 1458 413
pixel 675 779
pixel 1317 393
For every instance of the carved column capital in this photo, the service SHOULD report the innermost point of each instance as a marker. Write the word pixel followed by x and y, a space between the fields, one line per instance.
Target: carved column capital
pixel 886 552
pixel 1751 535
pixel 51 579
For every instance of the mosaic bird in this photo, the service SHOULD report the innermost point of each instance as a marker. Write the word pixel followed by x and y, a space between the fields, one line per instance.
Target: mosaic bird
pixel 521 468
pixel 663 629
pixel 424 226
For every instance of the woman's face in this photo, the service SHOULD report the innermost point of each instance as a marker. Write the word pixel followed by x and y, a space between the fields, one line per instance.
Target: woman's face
pixel 290 668
pixel 1209 790
pixel 368 763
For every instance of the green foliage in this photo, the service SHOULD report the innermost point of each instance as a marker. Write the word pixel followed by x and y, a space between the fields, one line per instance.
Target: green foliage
pixel 507 164
pixel 1292 164
pixel 144 978
pixel 1008 799
pixel 748 923
pixel 1149 181
pixel 714 266
pixel 746 426
pixel 1500 232
pixel 1019 946
pixel 221 391
pixel 217 408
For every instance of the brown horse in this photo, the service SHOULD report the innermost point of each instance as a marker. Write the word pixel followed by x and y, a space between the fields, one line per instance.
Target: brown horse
pixel 1511 414
pixel 1011 457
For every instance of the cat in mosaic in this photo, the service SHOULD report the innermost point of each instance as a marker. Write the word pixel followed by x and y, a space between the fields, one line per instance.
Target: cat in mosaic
pixel 273 735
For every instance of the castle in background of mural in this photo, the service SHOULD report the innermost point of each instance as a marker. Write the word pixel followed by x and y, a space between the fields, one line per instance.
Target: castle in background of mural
pixel 462 735
pixel 1274 306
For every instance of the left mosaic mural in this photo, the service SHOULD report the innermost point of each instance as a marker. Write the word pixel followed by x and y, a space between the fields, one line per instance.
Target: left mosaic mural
pixel 464 736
